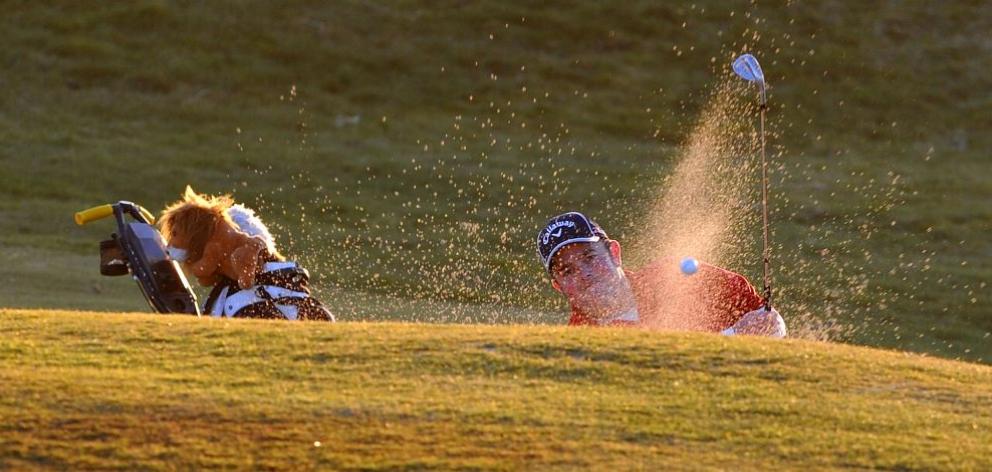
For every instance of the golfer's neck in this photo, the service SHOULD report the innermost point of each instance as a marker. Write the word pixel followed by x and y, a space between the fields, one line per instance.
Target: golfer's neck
pixel 622 303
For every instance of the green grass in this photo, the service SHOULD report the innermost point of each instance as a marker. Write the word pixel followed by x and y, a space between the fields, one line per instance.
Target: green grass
pixel 81 390
pixel 415 205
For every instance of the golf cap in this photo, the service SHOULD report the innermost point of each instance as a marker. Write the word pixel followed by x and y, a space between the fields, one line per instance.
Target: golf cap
pixel 564 229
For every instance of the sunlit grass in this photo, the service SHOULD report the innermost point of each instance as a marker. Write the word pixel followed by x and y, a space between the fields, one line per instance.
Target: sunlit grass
pixel 122 391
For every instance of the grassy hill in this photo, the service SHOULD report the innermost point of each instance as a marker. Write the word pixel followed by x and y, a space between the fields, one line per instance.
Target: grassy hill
pixel 407 152
pixel 124 391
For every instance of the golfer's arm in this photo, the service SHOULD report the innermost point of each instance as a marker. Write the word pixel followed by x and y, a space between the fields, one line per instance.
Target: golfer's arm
pixel 739 296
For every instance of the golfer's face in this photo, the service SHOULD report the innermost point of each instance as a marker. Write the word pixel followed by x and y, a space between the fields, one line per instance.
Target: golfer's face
pixel 587 274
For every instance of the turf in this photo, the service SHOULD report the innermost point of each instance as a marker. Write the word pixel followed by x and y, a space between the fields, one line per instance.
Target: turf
pixel 83 390
pixel 409 151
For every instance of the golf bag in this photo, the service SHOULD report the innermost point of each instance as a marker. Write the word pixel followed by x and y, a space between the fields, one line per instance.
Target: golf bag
pixel 138 249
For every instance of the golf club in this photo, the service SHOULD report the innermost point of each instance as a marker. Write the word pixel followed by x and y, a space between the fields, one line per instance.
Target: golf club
pixel 747 67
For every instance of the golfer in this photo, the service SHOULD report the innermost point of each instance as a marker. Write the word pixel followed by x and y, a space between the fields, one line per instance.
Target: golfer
pixel 585 266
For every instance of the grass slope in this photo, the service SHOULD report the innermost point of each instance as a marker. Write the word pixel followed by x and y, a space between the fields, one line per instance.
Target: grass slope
pixel 125 391
pixel 411 149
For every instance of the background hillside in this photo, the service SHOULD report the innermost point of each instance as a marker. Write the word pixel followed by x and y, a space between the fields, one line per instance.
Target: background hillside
pixel 408 152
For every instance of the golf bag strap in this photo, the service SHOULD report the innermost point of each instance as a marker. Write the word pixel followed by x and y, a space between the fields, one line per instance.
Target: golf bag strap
pixel 270 296
pixel 218 294
pixel 291 306
pixel 283 274
pixel 281 292
pixel 293 278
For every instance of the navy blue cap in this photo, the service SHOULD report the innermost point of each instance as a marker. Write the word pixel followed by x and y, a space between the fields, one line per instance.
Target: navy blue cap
pixel 564 229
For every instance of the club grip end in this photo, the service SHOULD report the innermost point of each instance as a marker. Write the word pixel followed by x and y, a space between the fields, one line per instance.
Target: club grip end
pixel 93 214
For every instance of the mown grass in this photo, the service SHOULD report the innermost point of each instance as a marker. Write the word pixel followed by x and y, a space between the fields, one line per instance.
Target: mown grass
pixel 85 390
pixel 875 105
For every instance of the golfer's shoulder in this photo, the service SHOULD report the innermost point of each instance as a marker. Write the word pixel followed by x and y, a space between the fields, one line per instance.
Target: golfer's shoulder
pixel 670 266
pixel 656 265
pixel 726 279
pixel 707 269
pixel 653 270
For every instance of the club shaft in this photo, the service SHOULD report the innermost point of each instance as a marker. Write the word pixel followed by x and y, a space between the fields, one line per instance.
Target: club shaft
pixel 764 210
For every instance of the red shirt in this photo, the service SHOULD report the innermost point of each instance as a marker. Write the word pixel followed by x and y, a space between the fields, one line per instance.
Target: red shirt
pixel 712 299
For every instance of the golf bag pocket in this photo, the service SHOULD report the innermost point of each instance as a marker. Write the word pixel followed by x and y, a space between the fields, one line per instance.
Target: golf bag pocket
pixel 112 259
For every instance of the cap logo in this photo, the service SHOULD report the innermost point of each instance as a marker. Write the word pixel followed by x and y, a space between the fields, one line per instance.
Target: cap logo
pixel 556 225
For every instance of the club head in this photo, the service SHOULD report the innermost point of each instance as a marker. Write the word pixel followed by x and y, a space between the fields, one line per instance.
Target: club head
pixel 747 67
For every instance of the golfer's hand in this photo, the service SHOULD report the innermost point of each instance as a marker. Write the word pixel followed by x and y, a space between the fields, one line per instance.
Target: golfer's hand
pixel 760 322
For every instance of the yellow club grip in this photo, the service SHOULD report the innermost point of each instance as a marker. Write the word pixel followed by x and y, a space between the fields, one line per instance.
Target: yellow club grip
pixel 104 211
pixel 94 214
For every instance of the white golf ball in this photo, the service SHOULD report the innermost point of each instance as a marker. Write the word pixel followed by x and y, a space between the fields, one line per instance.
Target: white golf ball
pixel 689 266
